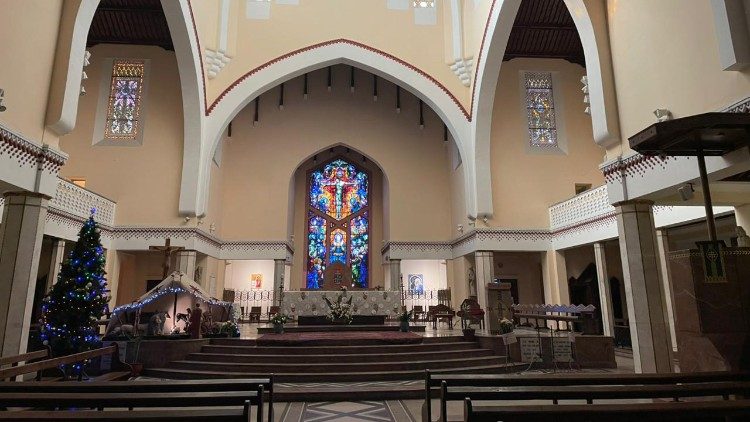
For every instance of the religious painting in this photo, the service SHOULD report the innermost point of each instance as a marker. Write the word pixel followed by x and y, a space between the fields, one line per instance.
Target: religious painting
pixel 338 229
pixel 256 281
pixel 416 284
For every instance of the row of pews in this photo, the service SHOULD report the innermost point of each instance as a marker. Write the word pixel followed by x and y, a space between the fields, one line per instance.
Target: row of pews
pixel 105 398
pixel 690 396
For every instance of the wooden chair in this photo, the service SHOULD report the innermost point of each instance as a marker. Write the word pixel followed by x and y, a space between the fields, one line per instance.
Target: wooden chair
pixel 471 313
pixel 255 312
pixel 417 313
pixel 441 313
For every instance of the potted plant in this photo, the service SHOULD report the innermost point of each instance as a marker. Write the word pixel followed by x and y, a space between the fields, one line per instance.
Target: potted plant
pixel 506 326
pixel 278 322
pixel 134 341
pixel 340 311
pixel 231 329
pixel 403 318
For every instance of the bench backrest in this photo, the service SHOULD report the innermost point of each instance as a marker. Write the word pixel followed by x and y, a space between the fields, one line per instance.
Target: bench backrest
pixel 41 365
pixel 191 415
pixel 25 357
pixel 739 409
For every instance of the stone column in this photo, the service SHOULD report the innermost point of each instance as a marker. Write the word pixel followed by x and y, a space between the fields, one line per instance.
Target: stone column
pixel 662 239
pixel 555 278
pixel 20 246
pixel 185 260
pixel 605 295
pixel 484 262
pixel 394 281
pixel 649 332
pixel 58 255
pixel 742 216
pixel 279 267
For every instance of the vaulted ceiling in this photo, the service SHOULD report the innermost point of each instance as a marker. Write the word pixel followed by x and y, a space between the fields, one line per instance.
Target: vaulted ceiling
pixel 139 22
pixel 544 29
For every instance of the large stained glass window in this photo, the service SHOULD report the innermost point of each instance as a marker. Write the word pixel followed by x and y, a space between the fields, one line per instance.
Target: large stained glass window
pixel 124 107
pixel 540 109
pixel 338 238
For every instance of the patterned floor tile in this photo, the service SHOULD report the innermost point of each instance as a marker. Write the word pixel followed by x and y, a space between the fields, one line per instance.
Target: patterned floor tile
pixel 360 411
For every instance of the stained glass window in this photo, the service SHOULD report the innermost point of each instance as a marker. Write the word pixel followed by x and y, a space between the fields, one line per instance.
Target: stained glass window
pixel 124 108
pixel 540 109
pixel 338 226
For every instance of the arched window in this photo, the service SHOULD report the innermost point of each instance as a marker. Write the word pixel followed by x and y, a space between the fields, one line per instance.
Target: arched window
pixel 338 226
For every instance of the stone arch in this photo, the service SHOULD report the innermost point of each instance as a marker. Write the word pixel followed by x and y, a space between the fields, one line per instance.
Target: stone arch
pixel 327 54
pixel 595 41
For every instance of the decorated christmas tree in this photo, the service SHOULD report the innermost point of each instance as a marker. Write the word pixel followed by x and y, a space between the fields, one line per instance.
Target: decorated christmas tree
pixel 72 308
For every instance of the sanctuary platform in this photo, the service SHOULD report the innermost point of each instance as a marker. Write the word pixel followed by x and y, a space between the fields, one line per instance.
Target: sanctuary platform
pixel 338 338
pixel 339 328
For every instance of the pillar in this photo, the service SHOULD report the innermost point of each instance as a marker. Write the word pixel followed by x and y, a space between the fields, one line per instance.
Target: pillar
pixel 662 239
pixel 20 246
pixel 605 295
pixel 113 276
pixel 58 254
pixel 644 291
pixel 394 281
pixel 185 262
pixel 484 262
pixel 742 216
pixel 279 268
pixel 555 278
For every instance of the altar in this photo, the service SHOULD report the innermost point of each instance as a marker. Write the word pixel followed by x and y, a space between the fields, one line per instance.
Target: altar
pixel 309 307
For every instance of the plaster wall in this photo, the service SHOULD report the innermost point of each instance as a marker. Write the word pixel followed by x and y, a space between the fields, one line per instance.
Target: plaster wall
pixel 28 30
pixel 526 267
pixel 525 182
pixel 433 270
pixel 290 28
pixel 238 272
pixel 665 55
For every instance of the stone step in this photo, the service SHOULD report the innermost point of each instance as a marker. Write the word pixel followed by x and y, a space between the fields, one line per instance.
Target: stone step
pixel 305 377
pixel 339 350
pixel 340 358
pixel 334 367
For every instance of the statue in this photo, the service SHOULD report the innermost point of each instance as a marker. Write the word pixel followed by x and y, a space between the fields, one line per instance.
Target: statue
pixel 196 318
pixel 743 240
pixel 472 283
pixel 156 323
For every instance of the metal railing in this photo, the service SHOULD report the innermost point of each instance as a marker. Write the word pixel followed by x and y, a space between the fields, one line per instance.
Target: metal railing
pixel 246 299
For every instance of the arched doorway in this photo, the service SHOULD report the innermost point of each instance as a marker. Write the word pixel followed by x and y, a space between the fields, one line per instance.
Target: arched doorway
pixel 338 226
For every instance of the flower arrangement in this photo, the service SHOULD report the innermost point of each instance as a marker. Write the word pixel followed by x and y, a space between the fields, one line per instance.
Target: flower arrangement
pixel 230 328
pixel 340 310
pixel 279 319
pixel 506 326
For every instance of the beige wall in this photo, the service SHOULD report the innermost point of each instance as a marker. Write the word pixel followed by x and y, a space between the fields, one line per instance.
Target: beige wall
pixel 526 267
pixel 259 161
pixel 665 55
pixel 311 22
pixel 577 259
pixel 143 180
pixel 136 268
pixel 28 30
pixel 525 184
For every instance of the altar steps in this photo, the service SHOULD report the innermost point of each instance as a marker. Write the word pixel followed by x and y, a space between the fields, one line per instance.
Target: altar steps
pixel 171 373
pixel 337 356
pixel 326 350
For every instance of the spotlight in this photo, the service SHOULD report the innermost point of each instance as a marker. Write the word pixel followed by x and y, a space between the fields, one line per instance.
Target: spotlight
pixel 686 192
pixel 2 100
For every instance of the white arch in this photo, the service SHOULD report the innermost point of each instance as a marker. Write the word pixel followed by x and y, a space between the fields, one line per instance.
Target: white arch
pixel 179 19
pixel 323 55
pixel 64 123
pixel 603 103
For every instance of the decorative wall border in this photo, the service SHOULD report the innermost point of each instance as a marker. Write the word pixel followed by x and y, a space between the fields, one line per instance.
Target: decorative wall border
pixel 28 153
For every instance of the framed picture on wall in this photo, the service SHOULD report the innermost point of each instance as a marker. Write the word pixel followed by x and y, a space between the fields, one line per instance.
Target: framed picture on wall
pixel 256 281
pixel 416 284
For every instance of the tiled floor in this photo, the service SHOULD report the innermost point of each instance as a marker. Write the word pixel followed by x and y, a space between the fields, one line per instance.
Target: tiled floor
pixel 355 411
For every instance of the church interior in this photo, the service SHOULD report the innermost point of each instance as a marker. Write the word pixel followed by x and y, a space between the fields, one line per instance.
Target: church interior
pixel 374 210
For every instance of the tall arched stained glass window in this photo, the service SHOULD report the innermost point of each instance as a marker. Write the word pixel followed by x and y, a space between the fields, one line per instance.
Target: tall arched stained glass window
pixel 338 226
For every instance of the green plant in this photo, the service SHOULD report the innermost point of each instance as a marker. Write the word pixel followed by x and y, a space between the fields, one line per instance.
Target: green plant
pixel 506 326
pixel 340 310
pixel 279 319
pixel 405 316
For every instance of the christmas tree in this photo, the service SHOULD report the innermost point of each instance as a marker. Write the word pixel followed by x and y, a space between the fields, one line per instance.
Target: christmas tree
pixel 72 308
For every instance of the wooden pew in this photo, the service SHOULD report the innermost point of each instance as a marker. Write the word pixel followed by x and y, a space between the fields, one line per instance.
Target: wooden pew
pixel 242 414
pixel 132 400
pixel 121 369
pixel 507 380
pixel 591 392
pixel 28 357
pixel 209 385
pixel 667 411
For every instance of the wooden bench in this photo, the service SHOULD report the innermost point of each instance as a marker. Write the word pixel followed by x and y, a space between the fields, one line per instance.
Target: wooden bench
pixel 29 357
pixel 193 415
pixel 508 380
pixel 120 370
pixel 668 411
pixel 240 400
pixel 175 386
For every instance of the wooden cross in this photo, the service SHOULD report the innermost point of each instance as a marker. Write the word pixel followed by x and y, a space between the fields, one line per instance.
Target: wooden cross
pixel 167 249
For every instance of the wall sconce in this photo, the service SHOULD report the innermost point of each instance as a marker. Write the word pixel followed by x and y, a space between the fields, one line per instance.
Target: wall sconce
pixel 212 228
pixel 460 228
pixel 2 100
pixel 187 219
pixel 662 114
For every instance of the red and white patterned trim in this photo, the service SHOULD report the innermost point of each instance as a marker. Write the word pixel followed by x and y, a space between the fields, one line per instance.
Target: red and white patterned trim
pixel 29 154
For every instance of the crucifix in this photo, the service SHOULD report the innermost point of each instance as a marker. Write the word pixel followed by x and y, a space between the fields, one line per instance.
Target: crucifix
pixel 167 249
